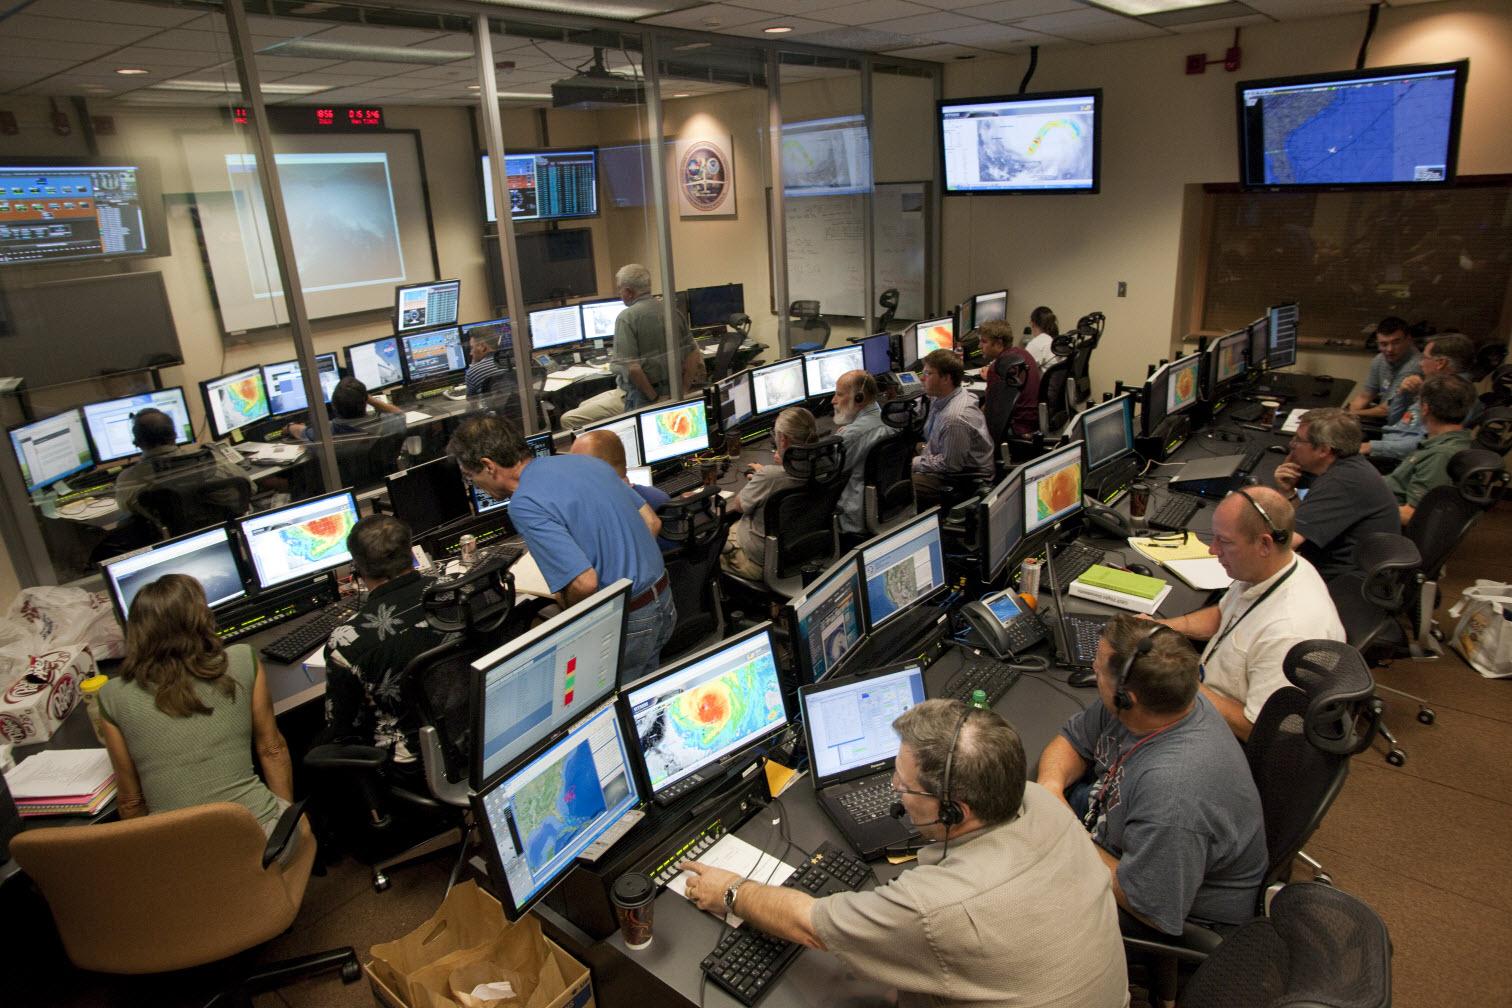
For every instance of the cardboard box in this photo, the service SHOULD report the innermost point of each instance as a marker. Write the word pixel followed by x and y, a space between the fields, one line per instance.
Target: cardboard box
pixel 579 992
pixel 33 706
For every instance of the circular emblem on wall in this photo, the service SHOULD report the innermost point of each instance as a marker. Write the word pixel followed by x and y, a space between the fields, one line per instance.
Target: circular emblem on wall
pixel 705 176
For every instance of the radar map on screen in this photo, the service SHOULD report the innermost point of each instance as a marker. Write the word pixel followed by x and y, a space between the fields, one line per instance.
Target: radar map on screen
pixel 1058 491
pixel 244 401
pixel 705 720
pixel 676 426
pixel 318 538
pixel 559 804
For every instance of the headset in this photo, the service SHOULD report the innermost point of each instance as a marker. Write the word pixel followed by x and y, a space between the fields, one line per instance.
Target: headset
pixel 1277 535
pixel 1143 647
pixel 951 813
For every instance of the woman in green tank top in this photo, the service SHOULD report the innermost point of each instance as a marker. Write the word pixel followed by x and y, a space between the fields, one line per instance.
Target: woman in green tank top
pixel 182 719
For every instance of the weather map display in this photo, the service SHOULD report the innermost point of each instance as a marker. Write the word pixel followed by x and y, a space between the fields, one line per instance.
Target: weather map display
pixel 1052 487
pixel 824 367
pixel 826 157
pixel 545 813
pixel 828 619
pixel 777 385
pixel 938 334
pixel 667 432
pixel 715 704
pixel 1040 143
pixel 235 400
pixel 1181 386
pixel 300 539
pixel 902 569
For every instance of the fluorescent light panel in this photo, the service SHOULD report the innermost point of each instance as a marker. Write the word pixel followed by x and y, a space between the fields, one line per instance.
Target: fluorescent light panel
pixel 618 11
pixel 1139 8
pixel 316 49
pixel 228 88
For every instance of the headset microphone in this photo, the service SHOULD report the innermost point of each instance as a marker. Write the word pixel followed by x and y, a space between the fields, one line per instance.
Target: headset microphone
pixel 897 811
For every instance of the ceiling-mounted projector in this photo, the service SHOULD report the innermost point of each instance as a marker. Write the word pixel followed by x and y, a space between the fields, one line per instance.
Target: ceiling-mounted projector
pixel 597 87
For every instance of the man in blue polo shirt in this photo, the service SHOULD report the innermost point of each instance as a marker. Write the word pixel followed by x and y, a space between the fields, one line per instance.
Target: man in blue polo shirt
pixel 583 525
pixel 1377 398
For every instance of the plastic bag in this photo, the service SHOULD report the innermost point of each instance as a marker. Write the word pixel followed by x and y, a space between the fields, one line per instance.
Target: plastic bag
pixel 1483 633
pixel 46 619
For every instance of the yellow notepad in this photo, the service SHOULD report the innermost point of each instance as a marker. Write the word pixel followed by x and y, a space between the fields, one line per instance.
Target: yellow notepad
pixel 1163 550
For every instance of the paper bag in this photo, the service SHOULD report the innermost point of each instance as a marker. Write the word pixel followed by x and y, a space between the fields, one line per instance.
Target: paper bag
pixel 467 919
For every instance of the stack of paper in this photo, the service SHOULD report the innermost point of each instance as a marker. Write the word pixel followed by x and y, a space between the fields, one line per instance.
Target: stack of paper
pixel 1188 559
pixel 1121 588
pixel 62 782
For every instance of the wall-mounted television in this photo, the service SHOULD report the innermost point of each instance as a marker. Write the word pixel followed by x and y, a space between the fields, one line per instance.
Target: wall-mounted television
pixel 1391 126
pixel 826 157
pixel 66 210
pixel 545 185
pixel 1036 143
pixel 556 264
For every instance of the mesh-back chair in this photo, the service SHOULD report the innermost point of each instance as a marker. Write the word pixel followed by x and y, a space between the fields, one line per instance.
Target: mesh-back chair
pixel 501 394
pixel 1085 338
pixel 696 525
pixel 1488 357
pixel 1500 391
pixel 729 346
pixel 888 299
pixel 365 460
pixel 1493 430
pixel 887 482
pixel 1013 373
pixel 181 499
pixel 1318 947
pixel 1057 388
pixel 800 523
pixel 812 326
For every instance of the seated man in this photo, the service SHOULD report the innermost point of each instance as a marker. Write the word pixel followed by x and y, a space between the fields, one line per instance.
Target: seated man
pixel 1172 806
pixel 1444 397
pixel 1348 499
pixel 745 547
pixel 152 431
pixel 349 404
pixel 606 445
pixel 858 421
pixel 999 352
pixel 957 453
pixel 1445 354
pixel 1377 398
pixel 1276 600
pixel 366 655
pixel 485 362
pixel 1011 908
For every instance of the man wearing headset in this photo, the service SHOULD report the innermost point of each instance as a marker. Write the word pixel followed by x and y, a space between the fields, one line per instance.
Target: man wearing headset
pixel 1007 903
pixel 1276 600
pixel 1161 784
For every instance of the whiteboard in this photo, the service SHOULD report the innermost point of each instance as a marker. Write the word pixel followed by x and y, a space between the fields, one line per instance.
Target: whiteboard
pixel 826 255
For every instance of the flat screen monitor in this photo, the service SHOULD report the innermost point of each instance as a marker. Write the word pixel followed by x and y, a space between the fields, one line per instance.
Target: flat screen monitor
pixel 932 335
pixel 691 717
pixel 539 817
pixel 433 354
pixel 54 212
pixel 823 368
pixel 876 353
pixel 556 264
pixel 499 327
pixel 426 305
pixel 850 721
pixel 235 400
pixel 1183 384
pixel 1281 336
pixel 827 621
pixel 428 495
pixel 540 445
pixel 1107 431
pixel 713 306
pixel 1389 126
pixel 546 185
pixel 736 404
pixel 1259 342
pixel 301 539
pixel 902 569
pixel 207 556
pixel 1039 143
pixel 554 327
pixel 285 383
pixel 1002 522
pixel 52 449
pixel 376 363
pixel 1225 362
pixel 774 386
pixel 109 422
pixel 1052 487
pixel 599 318
pixel 669 432
pixel 989 307
pixel 627 430
pixel 826 157
pixel 538 682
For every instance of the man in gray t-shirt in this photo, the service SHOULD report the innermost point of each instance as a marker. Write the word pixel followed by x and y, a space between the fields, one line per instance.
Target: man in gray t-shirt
pixel 1169 799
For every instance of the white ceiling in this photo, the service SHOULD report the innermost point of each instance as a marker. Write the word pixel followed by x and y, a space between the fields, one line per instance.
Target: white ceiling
pixel 75 47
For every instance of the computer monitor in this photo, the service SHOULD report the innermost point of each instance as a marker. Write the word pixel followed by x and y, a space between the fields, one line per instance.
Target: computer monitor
pixel 428 495
pixel 876 353
pixel 553 327
pixel 1048 141
pixel 433 354
pixel 1224 363
pixel 499 327
pixel 851 722
pixel 627 430
pixel 235 400
pixel 540 816
pixel 904 568
pixel 736 404
pixel 932 335
pixel 535 684
pixel 540 445
pixel 1001 519
pixel 1052 487
pixel 823 368
pixel 989 307
pixel 713 306
pixel 1183 384
pixel 208 556
pixel 109 422
pixel 426 305
pixel 599 317
pixel 669 432
pixel 376 363
pixel 694 716
pixel 52 449
pixel 826 620
pixel 1281 350
pixel 285 383
pixel 1259 343
pixel 774 386
pixel 301 539
pixel 1107 431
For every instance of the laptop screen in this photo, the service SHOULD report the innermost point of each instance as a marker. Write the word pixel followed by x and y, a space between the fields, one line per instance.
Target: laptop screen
pixel 849 721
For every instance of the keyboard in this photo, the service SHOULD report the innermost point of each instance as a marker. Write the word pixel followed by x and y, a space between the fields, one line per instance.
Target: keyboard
pixel 1073 560
pixel 1082 635
pixel 679 483
pixel 1252 457
pixel 868 803
pixel 989 675
pixel 1175 513
pixel 308 635
pixel 746 962
pixel 510 551
pixel 1246 412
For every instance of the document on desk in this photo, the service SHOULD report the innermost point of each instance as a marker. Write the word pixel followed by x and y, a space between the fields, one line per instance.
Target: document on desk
pixel 733 854
pixel 416 417
pixel 580 371
pixel 1189 560
pixel 1206 574
pixel 60 773
pixel 528 578
pixel 1165 549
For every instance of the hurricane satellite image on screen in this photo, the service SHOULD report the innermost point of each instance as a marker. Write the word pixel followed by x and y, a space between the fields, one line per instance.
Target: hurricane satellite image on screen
pixel 676 426
pixel 1030 149
pixel 318 538
pixel 1058 491
pixel 688 728
pixel 244 401
pixel 552 809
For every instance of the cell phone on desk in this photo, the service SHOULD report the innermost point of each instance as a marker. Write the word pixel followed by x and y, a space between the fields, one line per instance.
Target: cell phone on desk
pixel 1005 624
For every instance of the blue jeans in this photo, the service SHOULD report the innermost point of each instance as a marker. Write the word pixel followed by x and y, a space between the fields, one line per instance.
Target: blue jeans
pixel 647 631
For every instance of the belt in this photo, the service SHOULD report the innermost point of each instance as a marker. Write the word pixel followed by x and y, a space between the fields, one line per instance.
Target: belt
pixel 648 596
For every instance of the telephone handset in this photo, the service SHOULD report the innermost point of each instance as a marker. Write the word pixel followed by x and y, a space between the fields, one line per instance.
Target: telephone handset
pixel 1108 521
pixel 1005 624
pixel 230 456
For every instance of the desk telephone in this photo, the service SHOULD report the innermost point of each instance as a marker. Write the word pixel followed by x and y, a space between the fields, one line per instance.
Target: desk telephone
pixel 1004 624
pixel 1108 521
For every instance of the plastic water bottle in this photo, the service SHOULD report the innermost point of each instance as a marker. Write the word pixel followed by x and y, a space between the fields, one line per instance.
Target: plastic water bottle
pixel 979 699
pixel 90 690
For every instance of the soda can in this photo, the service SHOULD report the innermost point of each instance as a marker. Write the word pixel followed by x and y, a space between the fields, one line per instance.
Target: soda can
pixel 1029 576
pixel 469 544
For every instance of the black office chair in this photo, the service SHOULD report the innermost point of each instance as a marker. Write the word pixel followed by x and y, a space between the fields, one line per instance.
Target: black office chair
pixel 815 330
pixel 1488 357
pixel 1500 392
pixel 887 482
pixel 729 346
pixel 1013 374
pixel 181 499
pixel 800 523
pixel 1493 430
pixel 1057 387
pixel 697 525
pixel 1317 947
pixel 1084 340
pixel 500 394
pixel 888 299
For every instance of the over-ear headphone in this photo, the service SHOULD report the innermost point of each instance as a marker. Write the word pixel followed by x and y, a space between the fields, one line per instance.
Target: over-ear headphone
pixel 1277 536
pixel 950 810
pixel 1143 647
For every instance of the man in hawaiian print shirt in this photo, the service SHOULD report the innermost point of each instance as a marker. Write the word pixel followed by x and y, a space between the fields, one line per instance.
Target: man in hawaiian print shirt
pixel 366 655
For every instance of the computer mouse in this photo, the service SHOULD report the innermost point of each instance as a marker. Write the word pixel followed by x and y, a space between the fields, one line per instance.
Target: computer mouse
pixel 1139 568
pixel 1082 677
pixel 1277 449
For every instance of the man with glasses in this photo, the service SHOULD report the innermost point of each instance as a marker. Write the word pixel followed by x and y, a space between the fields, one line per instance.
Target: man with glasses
pixel 1398 357
pixel 1445 354
pixel 957 453
pixel 1008 903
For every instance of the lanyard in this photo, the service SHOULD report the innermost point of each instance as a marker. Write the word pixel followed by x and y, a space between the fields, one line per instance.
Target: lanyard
pixel 1213 644
pixel 1095 799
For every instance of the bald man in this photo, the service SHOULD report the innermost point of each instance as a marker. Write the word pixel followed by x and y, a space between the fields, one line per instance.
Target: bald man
pixel 606 445
pixel 1276 600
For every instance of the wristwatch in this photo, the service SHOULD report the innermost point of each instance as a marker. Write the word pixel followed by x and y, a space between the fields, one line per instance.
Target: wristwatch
pixel 731 893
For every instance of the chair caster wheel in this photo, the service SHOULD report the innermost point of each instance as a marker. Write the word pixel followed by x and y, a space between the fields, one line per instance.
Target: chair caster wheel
pixel 1425 715
pixel 1324 878
pixel 381 881
pixel 351 971
pixel 1396 757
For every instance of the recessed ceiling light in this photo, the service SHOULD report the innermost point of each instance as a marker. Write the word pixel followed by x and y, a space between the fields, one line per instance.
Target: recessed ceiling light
pixel 132 71
pixel 778 29
pixel 1139 8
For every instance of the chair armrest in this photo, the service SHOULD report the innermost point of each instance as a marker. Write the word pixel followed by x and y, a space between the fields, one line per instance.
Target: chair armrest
pixel 345 757
pixel 283 832
pixel 1195 944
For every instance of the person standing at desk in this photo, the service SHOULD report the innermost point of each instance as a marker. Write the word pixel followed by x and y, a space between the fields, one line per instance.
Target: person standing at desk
pixel 583 525
pixel 1008 903
pixel 1398 357
pixel 1043 329
pixel 858 420
pixel 1277 600
pixel 957 453
pixel 1000 353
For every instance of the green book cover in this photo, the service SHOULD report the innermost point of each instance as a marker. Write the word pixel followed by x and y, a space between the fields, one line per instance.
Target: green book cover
pixel 1127 582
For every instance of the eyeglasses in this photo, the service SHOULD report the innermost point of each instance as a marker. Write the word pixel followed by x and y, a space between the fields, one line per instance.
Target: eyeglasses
pixel 897 790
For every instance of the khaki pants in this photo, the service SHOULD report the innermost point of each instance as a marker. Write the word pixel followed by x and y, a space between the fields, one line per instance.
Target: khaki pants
pixel 736 560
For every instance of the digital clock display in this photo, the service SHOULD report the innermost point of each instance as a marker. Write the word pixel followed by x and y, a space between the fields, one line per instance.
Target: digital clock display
pixel 320 118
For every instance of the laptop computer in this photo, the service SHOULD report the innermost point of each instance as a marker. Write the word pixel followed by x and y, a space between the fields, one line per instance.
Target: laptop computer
pixel 847 724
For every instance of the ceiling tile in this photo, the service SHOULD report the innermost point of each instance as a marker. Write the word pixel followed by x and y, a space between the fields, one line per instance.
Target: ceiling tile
pixel 779 6
pixel 191 39
pixel 34 65
pixel 1297 10
pixel 925 24
pixel 26 25
pixel 326 78
pixel 1221 23
pixel 800 26
pixel 869 11
pixel 1090 26
pixel 145 57
pixel 72 51
pixel 997 38
pixel 864 39
pixel 707 17
pixel 113 12
pixel 285 65
pixel 940 52
pixel 1013 10
pixel 369 35
pixel 282 27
